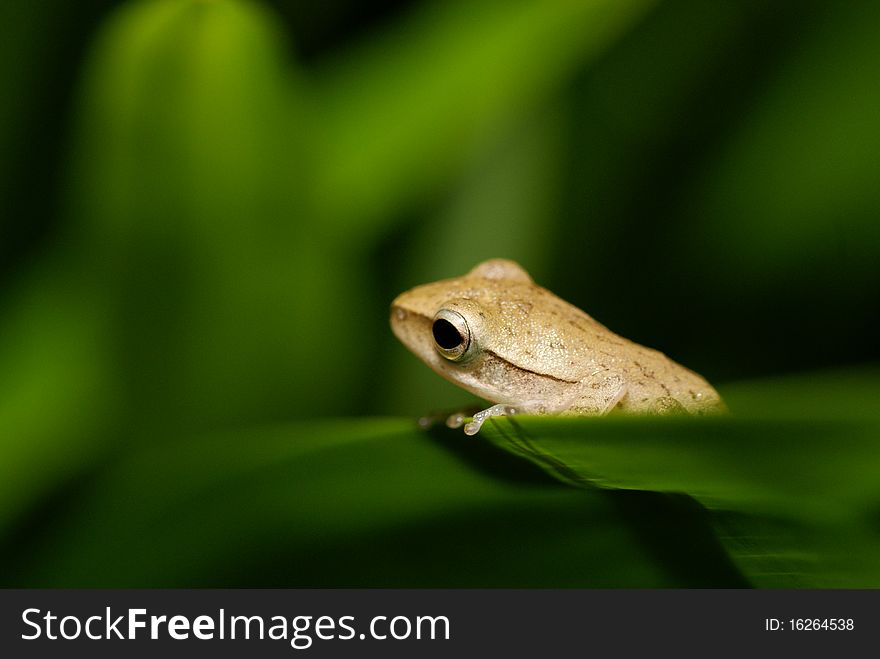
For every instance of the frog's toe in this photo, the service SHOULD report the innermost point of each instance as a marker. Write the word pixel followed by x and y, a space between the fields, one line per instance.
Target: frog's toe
pixel 501 409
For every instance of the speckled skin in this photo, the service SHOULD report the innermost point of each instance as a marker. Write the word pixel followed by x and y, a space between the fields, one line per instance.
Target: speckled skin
pixel 535 352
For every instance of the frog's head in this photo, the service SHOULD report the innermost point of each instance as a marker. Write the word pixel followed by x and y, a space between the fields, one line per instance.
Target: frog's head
pixel 449 324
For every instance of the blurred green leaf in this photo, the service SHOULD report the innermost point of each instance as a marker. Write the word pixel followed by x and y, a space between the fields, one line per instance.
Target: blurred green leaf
pixel 57 392
pixel 794 184
pixel 188 190
pixel 841 394
pixel 400 114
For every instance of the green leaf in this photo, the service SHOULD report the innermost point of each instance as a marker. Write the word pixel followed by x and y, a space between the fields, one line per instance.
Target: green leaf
pixel 357 503
pixel 802 162
pixel 400 114
pixel 57 392
pixel 755 498
pixel 802 468
pixel 189 210
pixel 794 498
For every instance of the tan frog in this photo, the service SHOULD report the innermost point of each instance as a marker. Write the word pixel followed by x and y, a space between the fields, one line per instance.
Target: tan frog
pixel 500 336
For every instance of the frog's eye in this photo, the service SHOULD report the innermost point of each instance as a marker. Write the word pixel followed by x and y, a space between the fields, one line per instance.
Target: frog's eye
pixel 452 337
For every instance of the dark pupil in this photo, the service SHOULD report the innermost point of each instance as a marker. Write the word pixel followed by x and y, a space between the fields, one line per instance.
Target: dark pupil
pixel 445 334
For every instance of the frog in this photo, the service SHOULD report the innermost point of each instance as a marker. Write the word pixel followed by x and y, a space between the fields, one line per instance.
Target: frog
pixel 497 334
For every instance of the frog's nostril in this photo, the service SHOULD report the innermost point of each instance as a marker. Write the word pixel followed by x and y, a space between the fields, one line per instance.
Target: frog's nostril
pixel 445 334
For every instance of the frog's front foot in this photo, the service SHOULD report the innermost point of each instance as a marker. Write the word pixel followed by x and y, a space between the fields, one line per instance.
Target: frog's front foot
pixel 454 420
pixel 472 428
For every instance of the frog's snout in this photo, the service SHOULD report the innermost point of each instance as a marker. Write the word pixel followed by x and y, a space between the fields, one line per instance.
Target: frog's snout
pixel 412 330
pixel 398 318
pixel 398 314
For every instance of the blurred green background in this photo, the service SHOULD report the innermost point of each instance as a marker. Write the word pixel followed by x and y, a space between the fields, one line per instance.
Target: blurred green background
pixel 206 207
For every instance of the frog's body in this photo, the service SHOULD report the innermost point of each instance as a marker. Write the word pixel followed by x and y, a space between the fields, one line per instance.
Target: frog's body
pixel 530 351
